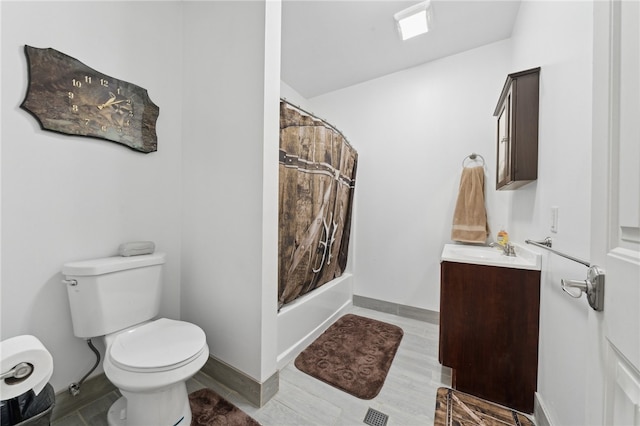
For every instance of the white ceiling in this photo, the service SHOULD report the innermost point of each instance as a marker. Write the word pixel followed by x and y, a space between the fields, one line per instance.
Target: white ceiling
pixel 332 44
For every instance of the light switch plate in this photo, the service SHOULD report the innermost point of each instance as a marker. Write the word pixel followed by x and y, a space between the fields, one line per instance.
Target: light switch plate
pixel 554 219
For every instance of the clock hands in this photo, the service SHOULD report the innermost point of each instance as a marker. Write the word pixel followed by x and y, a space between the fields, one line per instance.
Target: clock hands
pixel 111 101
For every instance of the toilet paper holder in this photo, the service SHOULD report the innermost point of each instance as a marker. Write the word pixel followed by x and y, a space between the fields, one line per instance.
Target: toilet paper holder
pixel 18 373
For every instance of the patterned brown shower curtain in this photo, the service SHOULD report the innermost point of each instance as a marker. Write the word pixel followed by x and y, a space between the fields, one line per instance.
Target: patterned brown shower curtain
pixel 317 179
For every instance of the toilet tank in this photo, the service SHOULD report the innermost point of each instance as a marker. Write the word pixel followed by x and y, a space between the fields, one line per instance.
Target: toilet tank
pixel 110 294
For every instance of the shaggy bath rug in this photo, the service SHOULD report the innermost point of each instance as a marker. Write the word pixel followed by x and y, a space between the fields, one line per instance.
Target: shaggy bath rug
pixel 210 409
pixel 354 354
pixel 455 408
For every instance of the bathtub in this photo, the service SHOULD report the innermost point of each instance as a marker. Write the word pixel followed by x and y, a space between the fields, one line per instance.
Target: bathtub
pixel 303 320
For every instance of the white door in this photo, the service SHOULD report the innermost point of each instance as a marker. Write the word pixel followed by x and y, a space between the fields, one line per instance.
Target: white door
pixel 613 396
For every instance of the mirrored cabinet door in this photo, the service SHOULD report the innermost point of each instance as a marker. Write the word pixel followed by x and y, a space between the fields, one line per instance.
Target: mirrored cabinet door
pixel 517 130
pixel 504 166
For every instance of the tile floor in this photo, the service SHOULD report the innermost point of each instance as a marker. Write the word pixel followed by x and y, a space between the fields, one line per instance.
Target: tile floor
pixel 407 397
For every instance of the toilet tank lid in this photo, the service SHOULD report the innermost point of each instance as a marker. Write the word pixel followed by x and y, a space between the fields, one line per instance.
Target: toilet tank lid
pixel 106 265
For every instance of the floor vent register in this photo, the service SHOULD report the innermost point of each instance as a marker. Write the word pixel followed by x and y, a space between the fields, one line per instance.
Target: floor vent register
pixel 375 418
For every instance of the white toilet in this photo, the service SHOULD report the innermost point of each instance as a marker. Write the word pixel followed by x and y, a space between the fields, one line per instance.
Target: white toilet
pixel 148 360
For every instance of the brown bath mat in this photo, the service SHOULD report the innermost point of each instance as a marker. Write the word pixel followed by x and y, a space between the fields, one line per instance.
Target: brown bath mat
pixel 210 409
pixel 354 354
pixel 461 409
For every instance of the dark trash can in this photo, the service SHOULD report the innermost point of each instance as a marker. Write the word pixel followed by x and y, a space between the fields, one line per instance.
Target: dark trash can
pixel 29 409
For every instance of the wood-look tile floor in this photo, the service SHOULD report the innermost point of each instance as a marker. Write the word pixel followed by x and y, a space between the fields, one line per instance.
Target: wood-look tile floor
pixel 407 397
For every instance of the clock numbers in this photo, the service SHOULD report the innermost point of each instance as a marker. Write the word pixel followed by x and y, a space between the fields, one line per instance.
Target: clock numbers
pixel 117 103
pixel 71 95
pixel 78 83
pixel 125 123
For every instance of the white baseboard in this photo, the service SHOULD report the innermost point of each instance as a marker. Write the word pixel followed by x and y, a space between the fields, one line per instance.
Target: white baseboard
pixel 540 412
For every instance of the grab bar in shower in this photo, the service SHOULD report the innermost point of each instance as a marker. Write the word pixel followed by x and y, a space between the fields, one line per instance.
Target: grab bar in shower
pixel 547 243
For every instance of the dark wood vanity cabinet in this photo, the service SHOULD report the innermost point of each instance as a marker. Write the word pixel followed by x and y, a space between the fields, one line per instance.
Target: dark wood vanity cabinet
pixel 489 331
pixel 517 113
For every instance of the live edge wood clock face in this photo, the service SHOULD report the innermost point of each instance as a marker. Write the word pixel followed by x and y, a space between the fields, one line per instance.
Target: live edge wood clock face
pixel 66 96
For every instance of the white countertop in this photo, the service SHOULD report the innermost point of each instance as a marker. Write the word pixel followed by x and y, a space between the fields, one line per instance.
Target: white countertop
pixel 492 256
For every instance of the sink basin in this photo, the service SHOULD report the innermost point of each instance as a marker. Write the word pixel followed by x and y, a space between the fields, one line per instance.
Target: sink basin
pixel 476 253
pixel 491 256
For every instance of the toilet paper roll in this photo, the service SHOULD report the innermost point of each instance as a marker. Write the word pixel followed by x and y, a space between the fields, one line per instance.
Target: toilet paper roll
pixel 30 361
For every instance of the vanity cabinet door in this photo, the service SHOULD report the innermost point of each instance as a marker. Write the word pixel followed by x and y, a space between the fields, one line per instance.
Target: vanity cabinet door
pixel 489 331
pixel 517 130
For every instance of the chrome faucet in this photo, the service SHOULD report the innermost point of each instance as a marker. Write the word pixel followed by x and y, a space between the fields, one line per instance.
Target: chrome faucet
pixel 507 249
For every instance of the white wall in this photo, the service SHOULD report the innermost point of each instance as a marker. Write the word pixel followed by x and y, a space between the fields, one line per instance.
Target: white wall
pixel 67 198
pixel 291 95
pixel 558 37
pixel 412 130
pixel 224 237
pixel 200 197
pixel 70 198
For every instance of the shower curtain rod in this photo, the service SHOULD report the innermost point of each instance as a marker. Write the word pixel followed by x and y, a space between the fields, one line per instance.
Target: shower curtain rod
pixel 315 116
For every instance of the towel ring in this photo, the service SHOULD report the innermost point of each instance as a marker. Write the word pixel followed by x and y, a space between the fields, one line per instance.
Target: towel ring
pixel 474 157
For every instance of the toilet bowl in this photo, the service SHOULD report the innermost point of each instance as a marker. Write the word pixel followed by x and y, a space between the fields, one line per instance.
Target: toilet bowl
pixel 147 358
pixel 150 364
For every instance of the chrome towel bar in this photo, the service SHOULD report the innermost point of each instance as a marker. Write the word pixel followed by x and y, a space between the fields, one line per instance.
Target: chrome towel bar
pixel 592 287
pixel 547 243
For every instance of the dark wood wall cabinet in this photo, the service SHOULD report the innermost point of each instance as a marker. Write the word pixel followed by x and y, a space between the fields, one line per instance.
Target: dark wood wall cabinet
pixel 517 113
pixel 489 331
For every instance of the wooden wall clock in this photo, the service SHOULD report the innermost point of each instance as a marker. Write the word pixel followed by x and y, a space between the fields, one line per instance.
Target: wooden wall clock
pixel 67 96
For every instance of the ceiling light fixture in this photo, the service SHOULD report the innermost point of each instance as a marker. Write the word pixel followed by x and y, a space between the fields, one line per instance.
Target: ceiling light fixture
pixel 414 20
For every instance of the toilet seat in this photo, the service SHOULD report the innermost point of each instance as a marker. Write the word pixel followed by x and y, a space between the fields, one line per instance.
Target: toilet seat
pixel 160 345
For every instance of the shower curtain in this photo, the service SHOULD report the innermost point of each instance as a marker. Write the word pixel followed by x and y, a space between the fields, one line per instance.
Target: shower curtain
pixel 317 177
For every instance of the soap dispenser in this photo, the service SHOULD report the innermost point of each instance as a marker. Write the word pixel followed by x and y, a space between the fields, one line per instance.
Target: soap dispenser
pixel 503 237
